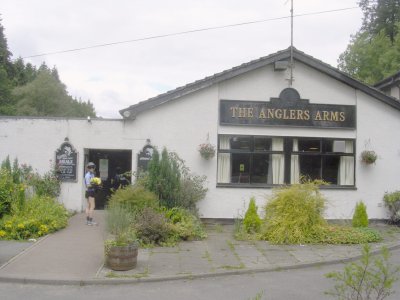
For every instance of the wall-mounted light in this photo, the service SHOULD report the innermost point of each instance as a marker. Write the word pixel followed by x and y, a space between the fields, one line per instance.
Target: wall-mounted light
pixel 89 119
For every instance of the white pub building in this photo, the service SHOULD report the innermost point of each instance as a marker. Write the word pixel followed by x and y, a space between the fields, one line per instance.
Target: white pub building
pixel 266 135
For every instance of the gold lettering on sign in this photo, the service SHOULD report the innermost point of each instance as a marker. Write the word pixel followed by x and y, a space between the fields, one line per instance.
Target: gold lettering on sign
pixel 242 112
pixel 233 110
pixel 262 114
pixel 318 116
pixel 334 116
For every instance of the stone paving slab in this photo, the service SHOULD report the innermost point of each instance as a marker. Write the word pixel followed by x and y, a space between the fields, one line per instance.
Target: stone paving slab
pixel 10 249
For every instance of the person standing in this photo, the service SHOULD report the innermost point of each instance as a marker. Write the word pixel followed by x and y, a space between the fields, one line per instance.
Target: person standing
pixel 90 193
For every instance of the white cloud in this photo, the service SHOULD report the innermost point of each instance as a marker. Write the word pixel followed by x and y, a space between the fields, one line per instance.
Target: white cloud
pixel 117 76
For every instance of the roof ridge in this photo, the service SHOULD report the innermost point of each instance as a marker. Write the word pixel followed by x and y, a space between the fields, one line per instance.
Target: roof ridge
pixel 301 56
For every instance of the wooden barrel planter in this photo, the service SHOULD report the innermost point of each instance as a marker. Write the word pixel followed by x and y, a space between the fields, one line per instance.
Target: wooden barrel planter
pixel 121 258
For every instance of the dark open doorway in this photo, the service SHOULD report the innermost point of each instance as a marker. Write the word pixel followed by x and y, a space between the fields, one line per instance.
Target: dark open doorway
pixel 107 162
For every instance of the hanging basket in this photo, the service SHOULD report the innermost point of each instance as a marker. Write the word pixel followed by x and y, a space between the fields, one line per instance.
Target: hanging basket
pixel 369 157
pixel 207 150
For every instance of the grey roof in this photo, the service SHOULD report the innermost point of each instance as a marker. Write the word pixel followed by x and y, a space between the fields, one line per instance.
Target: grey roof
pixel 388 81
pixel 133 110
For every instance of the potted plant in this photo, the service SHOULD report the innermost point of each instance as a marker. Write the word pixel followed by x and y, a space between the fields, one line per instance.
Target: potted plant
pixel 207 150
pixel 121 249
pixel 369 157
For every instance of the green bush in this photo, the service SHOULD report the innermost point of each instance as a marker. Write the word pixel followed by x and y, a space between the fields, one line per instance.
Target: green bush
pixel 172 181
pixel 37 217
pixel 11 193
pixel 294 214
pixel 134 198
pixel 360 216
pixel 45 185
pixel 392 202
pixel 119 223
pixel 186 225
pixel 153 228
pixel 192 191
pixel 345 235
pixel 252 222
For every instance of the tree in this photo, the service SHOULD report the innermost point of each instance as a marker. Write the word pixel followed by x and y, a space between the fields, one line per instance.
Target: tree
pixel 374 51
pixel 46 95
pixel 6 101
pixel 381 15
pixel 24 90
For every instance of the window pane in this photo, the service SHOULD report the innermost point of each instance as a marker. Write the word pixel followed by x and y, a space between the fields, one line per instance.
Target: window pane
pixel 240 168
pixel 309 145
pixel 262 144
pixel 336 146
pixel 241 143
pixel 310 166
pixel 260 168
pixel 330 169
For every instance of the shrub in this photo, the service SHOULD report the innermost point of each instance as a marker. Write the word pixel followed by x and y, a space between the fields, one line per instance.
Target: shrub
pixel 252 222
pixel 360 217
pixel 134 198
pixel 294 214
pixel 392 202
pixel 371 278
pixel 164 178
pixel 37 217
pixel 119 223
pixel 192 191
pixel 173 182
pixel 345 235
pixel 45 185
pixel 11 193
pixel 153 228
pixel 186 225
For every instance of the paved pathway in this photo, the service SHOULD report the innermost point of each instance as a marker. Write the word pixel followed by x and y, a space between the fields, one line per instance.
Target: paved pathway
pixel 75 256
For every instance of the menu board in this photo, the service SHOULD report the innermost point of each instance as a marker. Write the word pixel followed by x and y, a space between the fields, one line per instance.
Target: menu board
pixel 66 162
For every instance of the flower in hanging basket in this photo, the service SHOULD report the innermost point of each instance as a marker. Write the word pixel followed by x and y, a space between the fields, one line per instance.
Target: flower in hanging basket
pixel 369 156
pixel 207 150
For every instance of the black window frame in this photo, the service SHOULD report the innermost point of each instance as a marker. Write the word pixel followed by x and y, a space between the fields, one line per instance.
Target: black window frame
pixel 288 152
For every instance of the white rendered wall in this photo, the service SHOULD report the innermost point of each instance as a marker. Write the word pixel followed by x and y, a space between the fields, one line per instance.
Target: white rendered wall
pixel 34 141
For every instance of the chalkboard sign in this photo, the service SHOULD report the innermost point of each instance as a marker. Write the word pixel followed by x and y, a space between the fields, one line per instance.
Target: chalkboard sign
pixel 66 162
pixel 144 158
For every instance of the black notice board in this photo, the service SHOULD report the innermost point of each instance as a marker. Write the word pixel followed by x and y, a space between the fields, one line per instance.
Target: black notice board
pixel 66 162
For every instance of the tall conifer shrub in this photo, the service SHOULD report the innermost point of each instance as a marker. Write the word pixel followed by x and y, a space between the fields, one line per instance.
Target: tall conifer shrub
pixel 360 216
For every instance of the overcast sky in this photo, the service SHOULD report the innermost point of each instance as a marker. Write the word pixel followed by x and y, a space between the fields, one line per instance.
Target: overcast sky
pixel 117 76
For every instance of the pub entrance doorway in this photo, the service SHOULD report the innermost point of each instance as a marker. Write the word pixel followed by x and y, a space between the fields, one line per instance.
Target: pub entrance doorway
pixel 108 162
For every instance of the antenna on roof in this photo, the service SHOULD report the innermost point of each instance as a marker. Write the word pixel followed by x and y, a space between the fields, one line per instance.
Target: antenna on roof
pixel 291 44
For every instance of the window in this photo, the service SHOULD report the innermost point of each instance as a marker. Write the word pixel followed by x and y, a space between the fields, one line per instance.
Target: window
pixel 251 160
pixel 262 160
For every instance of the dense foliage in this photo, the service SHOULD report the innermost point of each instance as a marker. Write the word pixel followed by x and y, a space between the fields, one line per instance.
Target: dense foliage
pixel 28 208
pixel 374 51
pixel 30 91
pixel 172 181
pixel 294 215
pixel 160 209
pixel 37 217
pixel 134 198
pixel 392 202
